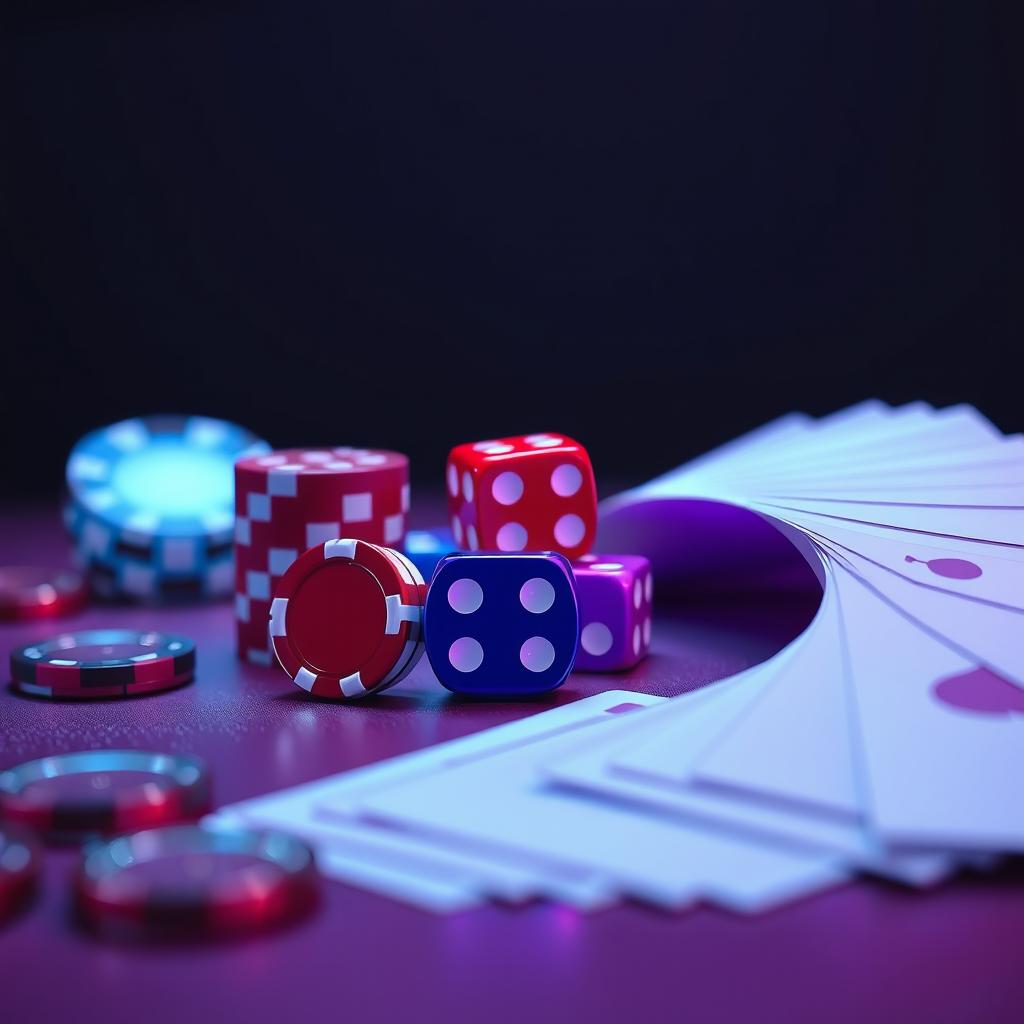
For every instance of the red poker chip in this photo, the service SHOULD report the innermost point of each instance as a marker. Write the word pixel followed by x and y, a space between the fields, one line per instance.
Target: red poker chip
pixel 30 592
pixel 345 619
pixel 191 880
pixel 67 796
pixel 19 869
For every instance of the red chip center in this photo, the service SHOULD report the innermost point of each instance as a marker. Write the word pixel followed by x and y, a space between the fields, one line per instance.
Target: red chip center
pixel 336 618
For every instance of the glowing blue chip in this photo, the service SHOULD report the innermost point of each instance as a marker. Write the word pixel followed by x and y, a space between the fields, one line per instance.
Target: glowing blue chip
pixel 161 476
pixel 152 504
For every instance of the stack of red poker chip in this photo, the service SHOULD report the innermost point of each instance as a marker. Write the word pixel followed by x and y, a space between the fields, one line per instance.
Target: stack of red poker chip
pixel 292 500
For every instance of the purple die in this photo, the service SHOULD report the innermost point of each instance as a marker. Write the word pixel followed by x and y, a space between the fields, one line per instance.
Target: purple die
pixel 614 593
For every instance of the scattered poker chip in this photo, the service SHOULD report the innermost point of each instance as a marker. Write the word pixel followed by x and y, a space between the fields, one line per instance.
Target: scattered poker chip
pixel 31 592
pixel 19 869
pixel 345 619
pixel 151 505
pixel 193 880
pixel 103 663
pixel 68 796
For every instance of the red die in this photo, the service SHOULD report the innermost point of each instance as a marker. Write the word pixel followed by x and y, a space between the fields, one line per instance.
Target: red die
pixel 532 493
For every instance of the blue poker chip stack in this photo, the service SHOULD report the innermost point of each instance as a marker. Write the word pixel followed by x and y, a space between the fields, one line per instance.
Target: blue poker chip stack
pixel 150 506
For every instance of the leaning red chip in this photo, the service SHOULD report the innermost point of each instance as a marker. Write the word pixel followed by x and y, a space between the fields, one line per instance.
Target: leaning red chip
pixel 104 791
pixel 344 616
pixel 191 879
pixel 30 592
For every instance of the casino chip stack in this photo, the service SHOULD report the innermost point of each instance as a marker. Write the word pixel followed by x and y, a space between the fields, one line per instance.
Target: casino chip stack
pixel 293 500
pixel 150 506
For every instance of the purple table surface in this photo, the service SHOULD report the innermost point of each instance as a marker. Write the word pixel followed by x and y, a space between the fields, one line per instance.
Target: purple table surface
pixel 868 951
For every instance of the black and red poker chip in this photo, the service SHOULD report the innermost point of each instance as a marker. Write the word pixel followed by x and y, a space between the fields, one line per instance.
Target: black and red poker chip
pixel 103 663
pixel 29 592
pixel 19 869
pixel 70 796
pixel 193 880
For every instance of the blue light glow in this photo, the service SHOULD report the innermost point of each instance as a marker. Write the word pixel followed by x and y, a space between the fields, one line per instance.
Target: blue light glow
pixel 171 479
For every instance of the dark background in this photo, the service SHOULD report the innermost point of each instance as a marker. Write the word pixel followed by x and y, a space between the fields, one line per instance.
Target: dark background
pixel 649 225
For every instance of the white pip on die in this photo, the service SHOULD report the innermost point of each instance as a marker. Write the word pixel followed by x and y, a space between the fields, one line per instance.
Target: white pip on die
pixel 615 595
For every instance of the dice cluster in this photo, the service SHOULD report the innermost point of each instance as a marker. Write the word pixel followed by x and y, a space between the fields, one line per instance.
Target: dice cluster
pixel 516 598
pixel 513 495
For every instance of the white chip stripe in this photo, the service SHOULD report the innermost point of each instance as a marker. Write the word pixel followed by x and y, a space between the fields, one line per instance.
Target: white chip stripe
pixel 205 432
pixel 278 611
pixel 304 678
pixel 88 468
pixel 128 436
pixel 352 686
pixel 32 688
pixel 340 548
pixel 397 613
pixel 99 500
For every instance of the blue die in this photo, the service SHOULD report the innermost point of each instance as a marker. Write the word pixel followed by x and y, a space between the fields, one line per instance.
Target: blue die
pixel 502 624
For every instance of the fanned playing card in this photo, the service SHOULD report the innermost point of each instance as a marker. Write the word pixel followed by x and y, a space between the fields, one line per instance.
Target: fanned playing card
pixel 887 739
